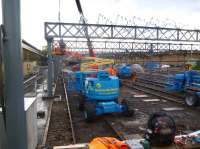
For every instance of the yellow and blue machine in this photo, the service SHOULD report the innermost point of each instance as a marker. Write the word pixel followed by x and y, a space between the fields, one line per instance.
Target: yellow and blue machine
pixel 187 82
pixel 100 93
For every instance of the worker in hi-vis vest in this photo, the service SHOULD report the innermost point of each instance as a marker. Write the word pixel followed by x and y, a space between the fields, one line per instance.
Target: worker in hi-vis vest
pixel 112 71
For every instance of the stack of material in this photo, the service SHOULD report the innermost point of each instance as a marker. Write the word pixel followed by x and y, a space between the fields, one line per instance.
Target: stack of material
pixel 136 68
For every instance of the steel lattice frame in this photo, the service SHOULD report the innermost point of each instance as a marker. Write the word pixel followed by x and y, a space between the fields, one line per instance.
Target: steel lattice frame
pixel 106 38
pixel 97 31
pixel 130 46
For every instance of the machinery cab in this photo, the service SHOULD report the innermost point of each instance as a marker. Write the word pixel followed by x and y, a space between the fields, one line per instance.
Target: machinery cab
pixel 97 84
pixel 81 80
pixel 102 87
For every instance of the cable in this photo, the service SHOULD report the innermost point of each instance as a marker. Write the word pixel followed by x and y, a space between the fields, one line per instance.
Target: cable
pixel 59 12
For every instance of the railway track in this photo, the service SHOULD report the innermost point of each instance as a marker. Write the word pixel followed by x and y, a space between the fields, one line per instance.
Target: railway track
pixel 158 86
pixel 151 82
pixel 152 88
pixel 69 112
pixel 60 130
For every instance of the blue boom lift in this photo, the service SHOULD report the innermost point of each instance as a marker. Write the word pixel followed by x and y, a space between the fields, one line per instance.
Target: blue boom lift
pixel 99 94
pixel 187 83
pixel 99 91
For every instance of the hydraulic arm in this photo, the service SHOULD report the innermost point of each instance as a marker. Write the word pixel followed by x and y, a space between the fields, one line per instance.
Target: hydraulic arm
pixel 89 43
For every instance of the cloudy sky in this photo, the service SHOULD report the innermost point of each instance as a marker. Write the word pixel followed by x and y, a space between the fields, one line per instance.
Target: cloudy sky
pixel 35 12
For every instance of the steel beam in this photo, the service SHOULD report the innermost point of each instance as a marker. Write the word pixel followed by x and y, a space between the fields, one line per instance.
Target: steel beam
pixel 16 130
pixel 50 66
pixel 99 31
pixel 105 46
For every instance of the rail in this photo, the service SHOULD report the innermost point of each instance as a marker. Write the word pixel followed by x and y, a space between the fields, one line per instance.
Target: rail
pixel 69 112
pixel 30 79
pixel 154 92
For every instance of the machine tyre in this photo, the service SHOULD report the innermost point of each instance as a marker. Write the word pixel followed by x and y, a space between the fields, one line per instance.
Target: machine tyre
pixel 81 103
pixel 191 99
pixel 128 112
pixel 120 83
pixel 89 112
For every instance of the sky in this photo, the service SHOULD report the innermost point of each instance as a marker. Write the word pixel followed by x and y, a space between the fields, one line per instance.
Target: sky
pixel 35 12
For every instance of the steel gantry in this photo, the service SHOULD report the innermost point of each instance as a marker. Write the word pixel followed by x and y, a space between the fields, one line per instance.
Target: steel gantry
pixel 98 31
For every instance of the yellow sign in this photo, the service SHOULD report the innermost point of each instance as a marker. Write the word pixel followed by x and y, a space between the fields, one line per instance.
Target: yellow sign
pixel 98 85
